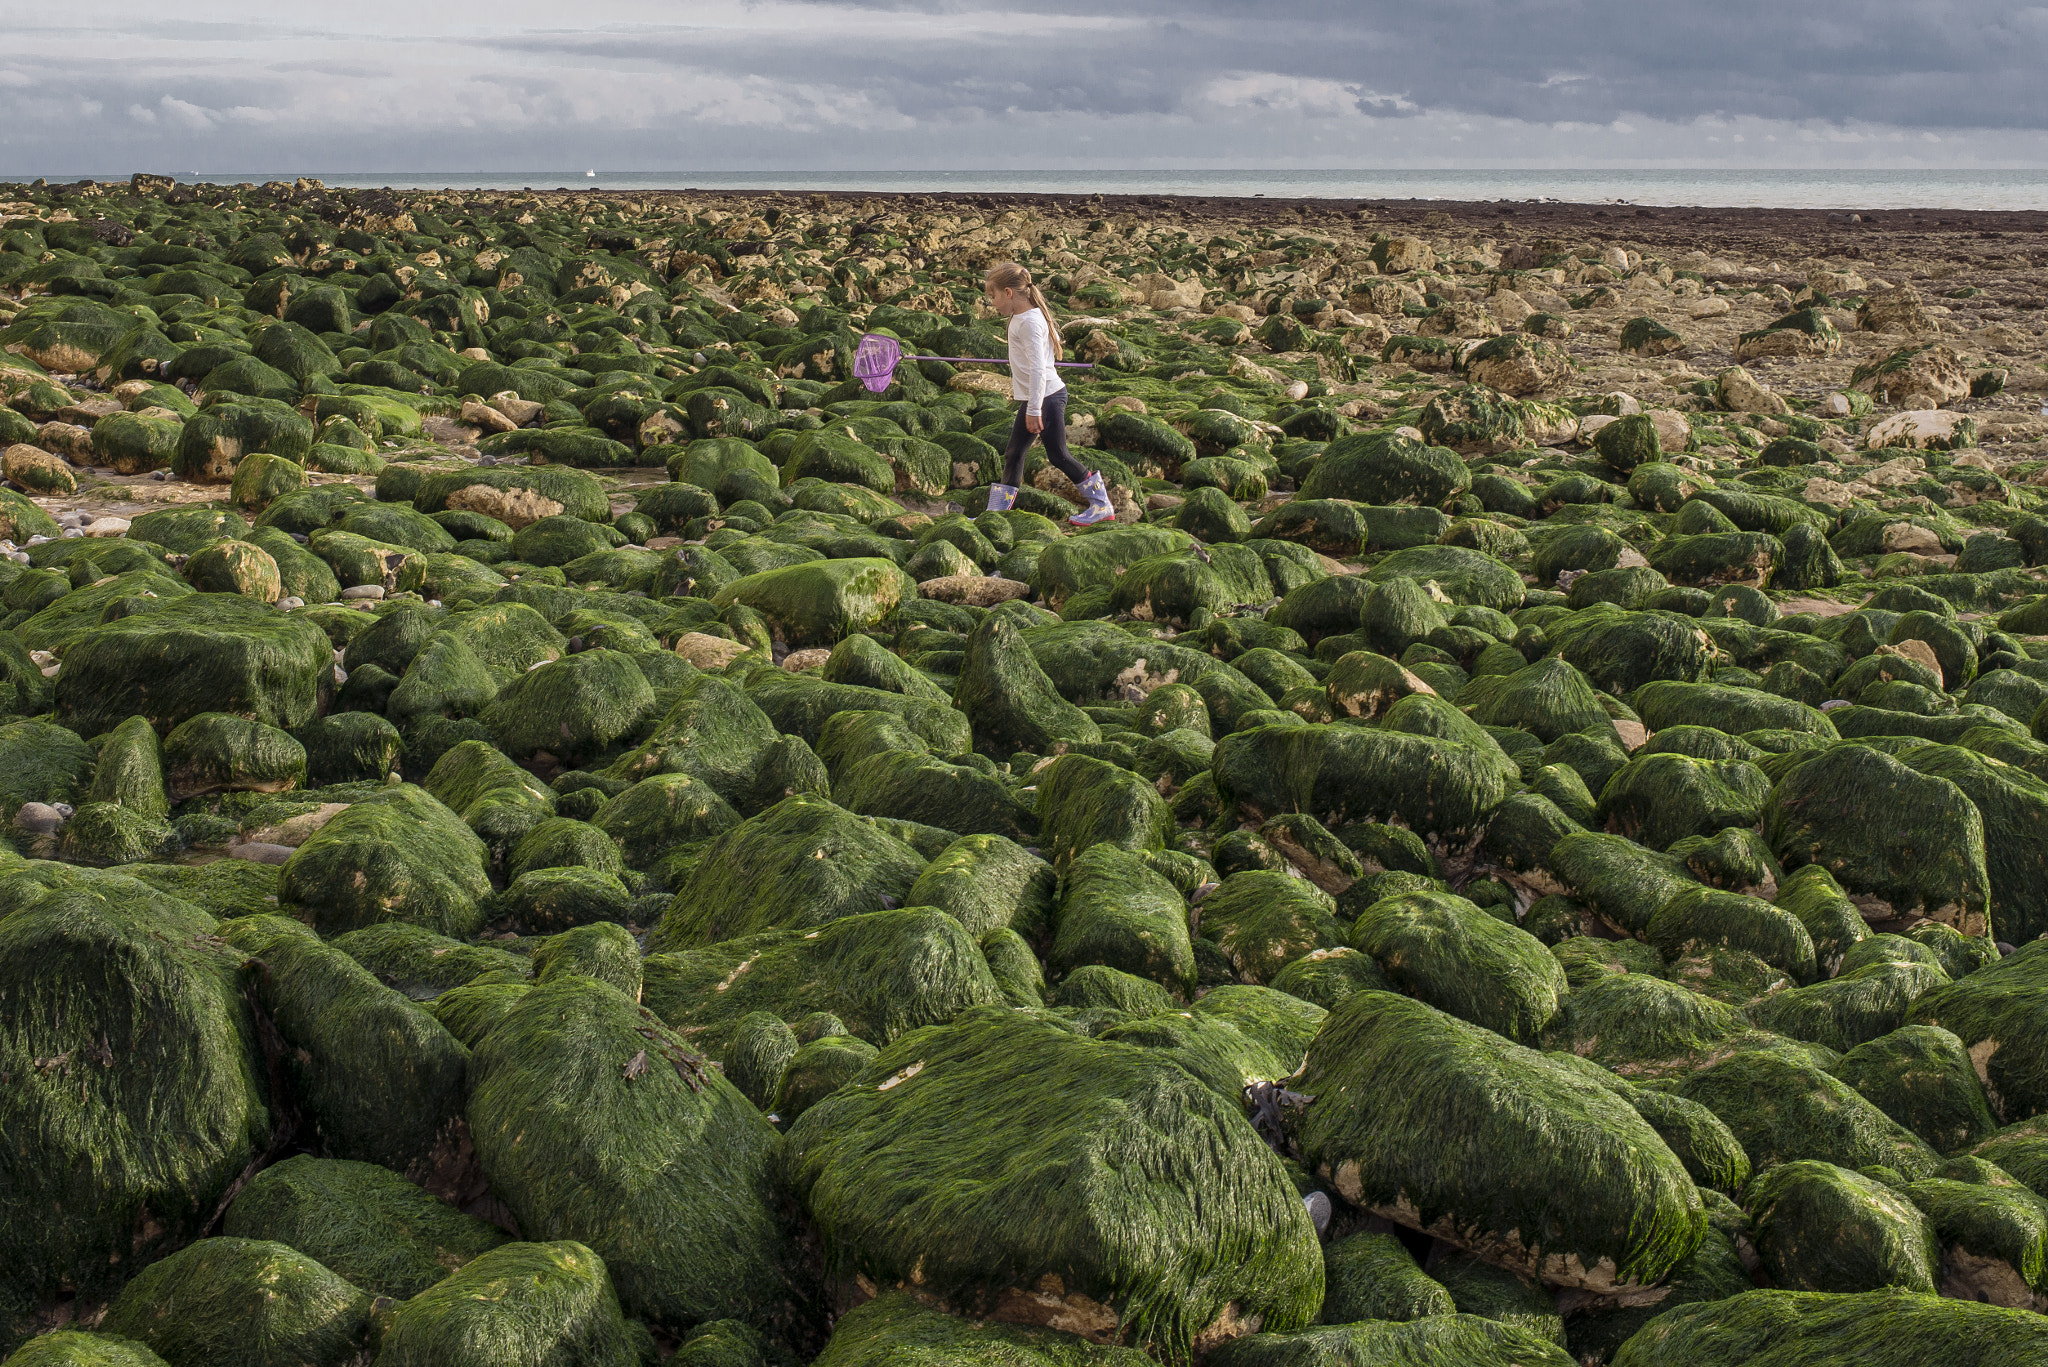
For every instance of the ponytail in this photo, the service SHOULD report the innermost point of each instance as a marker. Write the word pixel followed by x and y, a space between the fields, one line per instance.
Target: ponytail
pixel 1052 327
pixel 1008 275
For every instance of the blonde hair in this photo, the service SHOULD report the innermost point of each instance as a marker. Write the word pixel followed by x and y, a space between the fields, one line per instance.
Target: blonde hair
pixel 1008 275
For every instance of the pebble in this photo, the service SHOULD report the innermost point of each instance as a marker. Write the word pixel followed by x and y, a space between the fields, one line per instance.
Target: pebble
pixel 40 818
pixel 372 592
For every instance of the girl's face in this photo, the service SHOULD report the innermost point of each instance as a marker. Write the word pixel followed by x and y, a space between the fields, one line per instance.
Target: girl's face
pixel 1007 301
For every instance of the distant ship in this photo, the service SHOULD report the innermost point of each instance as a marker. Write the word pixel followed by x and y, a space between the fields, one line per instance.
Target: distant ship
pixel 591 174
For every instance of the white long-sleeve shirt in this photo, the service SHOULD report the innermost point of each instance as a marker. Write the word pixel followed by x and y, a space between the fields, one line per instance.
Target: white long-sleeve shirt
pixel 1033 375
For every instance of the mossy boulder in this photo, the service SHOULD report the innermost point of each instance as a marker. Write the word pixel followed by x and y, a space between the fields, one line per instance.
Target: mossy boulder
pixel 570 708
pixel 1888 1328
pixel 797 865
pixel 205 653
pixel 817 603
pixel 243 1303
pixel 526 1302
pixel 1212 1220
pixel 1343 774
pixel 1445 951
pixel 1008 698
pixel 1885 833
pixel 595 1122
pixel 217 752
pixel 1998 1013
pixel 987 882
pixel 397 856
pixel 1116 911
pixel 1783 1109
pixel 879 973
pixel 1505 1152
pixel 141 1079
pixel 897 1329
pixel 375 1077
pixel 1823 1228
pixel 1469 1340
pixel 1264 920
pixel 927 790
pixel 365 1223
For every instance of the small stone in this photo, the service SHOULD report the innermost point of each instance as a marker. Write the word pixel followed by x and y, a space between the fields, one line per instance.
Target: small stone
pixel 260 853
pixel 369 591
pixel 38 818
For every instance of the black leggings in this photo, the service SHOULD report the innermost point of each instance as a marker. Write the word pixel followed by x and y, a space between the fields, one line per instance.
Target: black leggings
pixel 1055 435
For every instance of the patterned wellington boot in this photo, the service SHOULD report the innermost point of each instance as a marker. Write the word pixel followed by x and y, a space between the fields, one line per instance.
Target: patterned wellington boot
pixel 1099 508
pixel 1002 497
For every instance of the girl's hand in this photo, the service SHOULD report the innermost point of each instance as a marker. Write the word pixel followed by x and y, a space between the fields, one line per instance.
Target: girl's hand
pixel 1032 424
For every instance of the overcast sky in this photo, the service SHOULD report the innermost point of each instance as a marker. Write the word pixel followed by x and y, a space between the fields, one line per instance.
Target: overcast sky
pixel 231 86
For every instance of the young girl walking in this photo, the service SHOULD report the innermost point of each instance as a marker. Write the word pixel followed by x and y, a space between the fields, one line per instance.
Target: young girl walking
pixel 1034 347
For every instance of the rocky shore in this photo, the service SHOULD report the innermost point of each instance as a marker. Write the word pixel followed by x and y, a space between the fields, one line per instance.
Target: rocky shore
pixel 547 823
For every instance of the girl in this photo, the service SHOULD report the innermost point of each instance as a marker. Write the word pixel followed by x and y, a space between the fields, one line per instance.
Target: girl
pixel 1034 346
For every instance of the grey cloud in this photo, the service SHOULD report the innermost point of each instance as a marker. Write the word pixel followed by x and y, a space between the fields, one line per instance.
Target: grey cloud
pixel 1035 82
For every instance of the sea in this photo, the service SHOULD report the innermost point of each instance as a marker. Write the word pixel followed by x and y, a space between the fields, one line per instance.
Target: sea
pixel 1714 188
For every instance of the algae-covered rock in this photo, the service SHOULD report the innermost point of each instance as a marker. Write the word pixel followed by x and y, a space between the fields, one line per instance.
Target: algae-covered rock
pixel 1638 1024
pixel 139 1094
pixel 71 1348
pixel 594 1122
pixel 1783 1109
pixel 1888 1328
pixel 522 1303
pixel 897 1329
pixel 798 865
pixel 1212 1227
pixel 365 1223
pixel 1369 1276
pixel 1344 774
pixel 397 856
pixel 1497 1294
pixel 1824 1228
pixel 1114 910
pixel 1263 921
pixel 570 708
pixel 881 973
pixel 661 812
pixel 1468 1340
pixel 988 882
pixel 1084 803
pixel 216 752
pixel 373 1074
pixel 1415 1117
pixel 243 1303
pixel 1009 699
pixel 1447 952
pixel 821 601
pixel 1998 1013
pixel 927 790
pixel 1910 841
pixel 419 964
pixel 207 653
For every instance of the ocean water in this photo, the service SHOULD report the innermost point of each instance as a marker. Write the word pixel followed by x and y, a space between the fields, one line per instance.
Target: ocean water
pixel 1780 189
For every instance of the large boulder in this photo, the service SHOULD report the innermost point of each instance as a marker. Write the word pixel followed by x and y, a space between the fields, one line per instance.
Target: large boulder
pixel 594 1122
pixel 821 601
pixel 1899 842
pixel 399 855
pixel 538 1302
pixel 796 866
pixel 981 1162
pixel 209 652
pixel 365 1223
pixel 1342 774
pixel 138 1095
pixel 1516 1156
pixel 879 973
pixel 1888 1328
pixel 243 1303
pixel 373 1075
